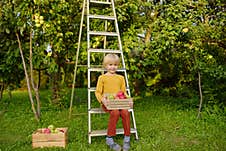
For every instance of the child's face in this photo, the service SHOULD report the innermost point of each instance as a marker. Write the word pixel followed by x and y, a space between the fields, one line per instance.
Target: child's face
pixel 112 67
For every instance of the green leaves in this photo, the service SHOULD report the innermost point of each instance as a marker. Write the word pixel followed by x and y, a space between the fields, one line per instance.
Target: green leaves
pixel 179 37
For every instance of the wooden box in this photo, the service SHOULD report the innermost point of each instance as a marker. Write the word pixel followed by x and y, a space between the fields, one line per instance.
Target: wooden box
pixel 116 104
pixel 40 139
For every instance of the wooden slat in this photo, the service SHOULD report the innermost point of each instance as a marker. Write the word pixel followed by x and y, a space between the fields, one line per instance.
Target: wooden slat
pixel 104 132
pixel 119 104
pixel 104 50
pixel 102 33
pixel 102 69
pixel 48 144
pixel 100 2
pixel 102 17
pixel 96 110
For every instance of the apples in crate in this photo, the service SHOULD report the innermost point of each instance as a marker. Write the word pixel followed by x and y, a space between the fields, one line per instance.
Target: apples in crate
pixel 121 95
pixel 52 129
pixel 50 137
pixel 118 101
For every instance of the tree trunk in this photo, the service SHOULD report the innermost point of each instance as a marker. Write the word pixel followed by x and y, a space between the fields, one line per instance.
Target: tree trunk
pixel 35 87
pixel 55 89
pixel 1 89
pixel 27 79
pixel 200 94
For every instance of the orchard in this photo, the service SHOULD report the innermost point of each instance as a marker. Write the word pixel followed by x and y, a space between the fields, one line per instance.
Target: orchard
pixel 172 48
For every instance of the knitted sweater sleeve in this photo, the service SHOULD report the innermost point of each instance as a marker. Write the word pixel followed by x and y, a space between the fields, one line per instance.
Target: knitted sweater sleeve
pixel 123 88
pixel 99 89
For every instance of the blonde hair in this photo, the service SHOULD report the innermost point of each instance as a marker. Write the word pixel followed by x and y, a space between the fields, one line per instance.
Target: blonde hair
pixel 111 59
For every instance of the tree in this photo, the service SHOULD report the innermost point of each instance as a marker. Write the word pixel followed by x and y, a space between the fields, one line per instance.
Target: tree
pixel 180 39
pixel 33 26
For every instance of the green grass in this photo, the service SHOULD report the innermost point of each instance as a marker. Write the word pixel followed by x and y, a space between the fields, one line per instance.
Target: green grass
pixel 164 124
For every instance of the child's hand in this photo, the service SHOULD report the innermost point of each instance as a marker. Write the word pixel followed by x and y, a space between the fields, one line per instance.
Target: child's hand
pixel 105 101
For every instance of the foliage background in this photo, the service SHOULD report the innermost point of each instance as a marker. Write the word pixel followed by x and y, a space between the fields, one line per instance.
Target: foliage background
pixel 165 43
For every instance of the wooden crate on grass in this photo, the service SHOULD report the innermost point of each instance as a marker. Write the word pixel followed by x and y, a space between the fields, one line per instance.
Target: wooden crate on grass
pixel 116 104
pixel 40 139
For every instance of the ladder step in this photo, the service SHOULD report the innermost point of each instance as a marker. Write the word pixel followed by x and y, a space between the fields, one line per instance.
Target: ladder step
pixel 102 33
pixel 102 69
pixel 93 89
pixel 104 50
pixel 104 132
pixel 100 111
pixel 96 111
pixel 102 17
pixel 100 2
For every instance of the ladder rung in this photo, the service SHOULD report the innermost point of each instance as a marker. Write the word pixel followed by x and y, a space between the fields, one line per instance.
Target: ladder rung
pixel 96 111
pixel 102 17
pixel 102 33
pixel 102 69
pixel 104 132
pixel 100 110
pixel 104 50
pixel 100 2
pixel 93 89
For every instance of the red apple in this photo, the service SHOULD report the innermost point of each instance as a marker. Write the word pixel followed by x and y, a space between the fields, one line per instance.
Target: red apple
pixel 122 97
pixel 120 93
pixel 62 131
pixel 47 131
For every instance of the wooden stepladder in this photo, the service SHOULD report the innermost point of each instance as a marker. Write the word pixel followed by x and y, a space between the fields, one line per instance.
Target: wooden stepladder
pixel 103 37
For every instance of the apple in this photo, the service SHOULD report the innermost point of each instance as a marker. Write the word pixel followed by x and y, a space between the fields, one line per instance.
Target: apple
pixel 55 131
pixel 121 95
pixel 41 18
pixel 41 21
pixel 37 20
pixel 62 131
pixel 111 97
pixel 49 54
pixel 38 25
pixel 52 128
pixel 47 131
pixel 185 30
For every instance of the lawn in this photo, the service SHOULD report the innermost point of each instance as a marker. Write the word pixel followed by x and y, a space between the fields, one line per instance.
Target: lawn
pixel 163 124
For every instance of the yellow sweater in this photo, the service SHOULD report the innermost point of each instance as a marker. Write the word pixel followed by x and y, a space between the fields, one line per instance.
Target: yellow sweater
pixel 109 84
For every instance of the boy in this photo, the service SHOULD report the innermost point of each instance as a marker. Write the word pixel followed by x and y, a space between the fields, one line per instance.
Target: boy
pixel 111 83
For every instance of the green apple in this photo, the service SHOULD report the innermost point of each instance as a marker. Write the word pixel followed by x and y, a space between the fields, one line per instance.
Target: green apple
pixel 185 30
pixel 111 97
pixel 49 54
pixel 41 21
pixel 51 127
pixel 37 20
pixel 38 25
pixel 41 18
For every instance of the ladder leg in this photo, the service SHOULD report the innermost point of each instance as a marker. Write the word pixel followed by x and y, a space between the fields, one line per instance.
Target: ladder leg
pixel 134 124
pixel 89 127
pixel 77 54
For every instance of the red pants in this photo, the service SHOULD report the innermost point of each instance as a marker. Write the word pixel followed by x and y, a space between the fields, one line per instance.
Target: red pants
pixel 114 117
